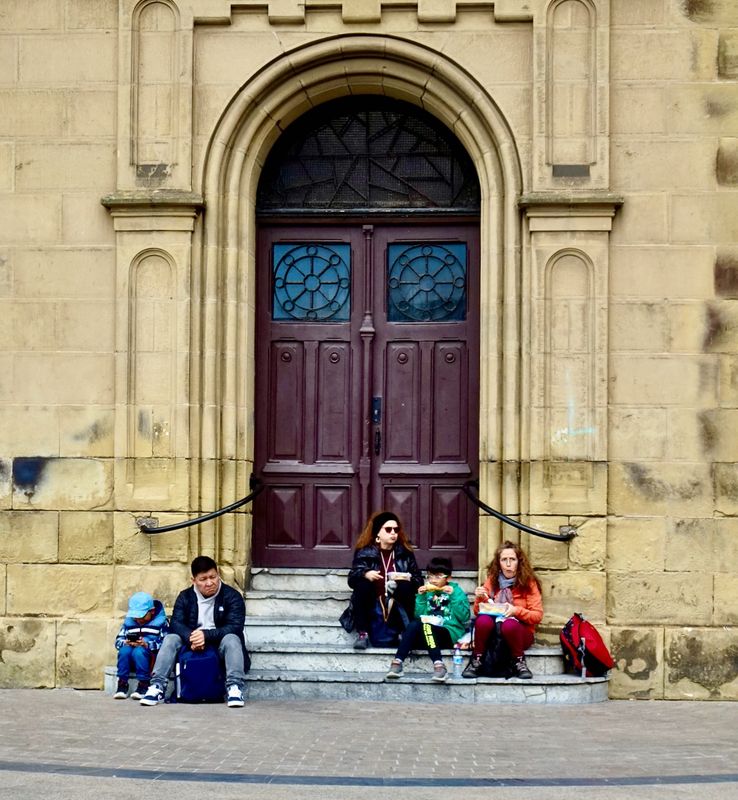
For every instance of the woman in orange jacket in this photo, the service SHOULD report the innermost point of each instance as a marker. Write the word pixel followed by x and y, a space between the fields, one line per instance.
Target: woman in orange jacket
pixel 515 594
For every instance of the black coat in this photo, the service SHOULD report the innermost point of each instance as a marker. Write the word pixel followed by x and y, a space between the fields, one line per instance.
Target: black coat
pixel 229 615
pixel 368 558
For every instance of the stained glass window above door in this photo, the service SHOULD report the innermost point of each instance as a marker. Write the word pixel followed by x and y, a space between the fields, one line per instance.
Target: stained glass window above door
pixel 368 153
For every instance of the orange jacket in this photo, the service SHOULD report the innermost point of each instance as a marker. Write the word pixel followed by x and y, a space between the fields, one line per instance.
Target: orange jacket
pixel 527 603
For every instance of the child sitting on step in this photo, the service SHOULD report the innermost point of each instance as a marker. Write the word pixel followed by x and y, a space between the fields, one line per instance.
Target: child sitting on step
pixel 138 641
pixel 441 616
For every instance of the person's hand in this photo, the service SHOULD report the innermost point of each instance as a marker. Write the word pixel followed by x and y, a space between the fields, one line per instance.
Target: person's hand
pixel 448 589
pixel 139 643
pixel 480 591
pixel 373 575
pixel 422 589
pixel 509 610
pixel 197 640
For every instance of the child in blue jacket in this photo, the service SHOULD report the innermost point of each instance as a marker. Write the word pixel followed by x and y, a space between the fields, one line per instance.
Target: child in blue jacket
pixel 138 640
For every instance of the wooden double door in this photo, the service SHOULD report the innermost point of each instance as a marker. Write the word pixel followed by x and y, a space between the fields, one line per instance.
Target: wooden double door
pixel 367 365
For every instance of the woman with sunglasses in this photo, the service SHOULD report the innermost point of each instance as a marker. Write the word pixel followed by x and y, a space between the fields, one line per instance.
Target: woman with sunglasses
pixel 384 572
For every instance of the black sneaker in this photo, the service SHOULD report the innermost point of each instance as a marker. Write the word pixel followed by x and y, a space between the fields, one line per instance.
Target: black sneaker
pixel 121 692
pixel 521 669
pixel 362 641
pixel 472 668
pixel 141 689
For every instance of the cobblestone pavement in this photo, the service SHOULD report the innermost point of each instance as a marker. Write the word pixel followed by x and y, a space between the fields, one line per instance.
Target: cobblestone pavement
pixel 63 743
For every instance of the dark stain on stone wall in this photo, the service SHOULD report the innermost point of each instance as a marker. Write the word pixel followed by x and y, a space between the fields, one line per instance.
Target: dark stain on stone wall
pixel 697 10
pixel 4 471
pixel 635 654
pixel 94 433
pixel 18 639
pixel 726 274
pixel 28 474
pixel 710 666
pixel 726 163
pixel 709 433
pixel 716 327
pixel 657 489
pixel 716 108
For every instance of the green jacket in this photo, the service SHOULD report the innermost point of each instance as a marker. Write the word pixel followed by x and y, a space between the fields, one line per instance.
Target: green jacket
pixel 455 610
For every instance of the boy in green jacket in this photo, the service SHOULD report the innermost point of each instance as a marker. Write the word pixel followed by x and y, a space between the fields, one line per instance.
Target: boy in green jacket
pixel 441 617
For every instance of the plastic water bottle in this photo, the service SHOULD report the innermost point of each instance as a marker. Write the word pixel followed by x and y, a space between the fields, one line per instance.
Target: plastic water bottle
pixel 458 662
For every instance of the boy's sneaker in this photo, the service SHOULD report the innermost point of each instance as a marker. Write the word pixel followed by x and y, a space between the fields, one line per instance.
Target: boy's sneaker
pixel 234 697
pixel 440 673
pixel 395 670
pixel 141 689
pixel 154 695
pixel 362 641
pixel 121 691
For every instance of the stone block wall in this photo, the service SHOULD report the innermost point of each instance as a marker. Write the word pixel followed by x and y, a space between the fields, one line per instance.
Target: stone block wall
pixel 655 497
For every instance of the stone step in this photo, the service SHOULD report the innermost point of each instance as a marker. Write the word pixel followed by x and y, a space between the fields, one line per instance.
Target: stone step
pixel 263 630
pixel 307 605
pixel 419 688
pixel 343 658
pixel 279 579
pixel 327 605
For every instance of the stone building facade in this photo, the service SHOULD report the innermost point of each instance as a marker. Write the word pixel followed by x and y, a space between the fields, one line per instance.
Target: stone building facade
pixel 604 134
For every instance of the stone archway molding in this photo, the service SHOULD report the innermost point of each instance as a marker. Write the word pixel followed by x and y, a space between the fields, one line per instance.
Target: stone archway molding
pixel 224 268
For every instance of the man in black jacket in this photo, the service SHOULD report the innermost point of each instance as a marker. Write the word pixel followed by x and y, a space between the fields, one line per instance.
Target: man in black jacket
pixel 209 613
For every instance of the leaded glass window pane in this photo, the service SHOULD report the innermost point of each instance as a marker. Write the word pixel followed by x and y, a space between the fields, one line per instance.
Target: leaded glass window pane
pixel 426 282
pixel 312 282
pixel 370 153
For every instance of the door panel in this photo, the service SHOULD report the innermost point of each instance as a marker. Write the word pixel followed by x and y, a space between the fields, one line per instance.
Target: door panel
pixel 346 314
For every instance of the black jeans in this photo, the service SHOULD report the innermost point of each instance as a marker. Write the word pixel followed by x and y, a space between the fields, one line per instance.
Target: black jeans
pixel 364 600
pixel 422 635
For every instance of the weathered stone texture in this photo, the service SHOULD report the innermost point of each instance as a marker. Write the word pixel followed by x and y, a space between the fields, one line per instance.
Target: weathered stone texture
pixel 690 546
pixel 27 653
pixel 636 544
pixel 726 599
pixel 568 591
pixel 82 649
pixel 86 537
pixel 639 663
pixel 6 483
pixel 655 598
pixel 725 477
pixel 7 166
pixel 655 489
pixel 86 432
pixel 701 664
pixel 588 549
pixel 3 582
pixel 728 54
pixel 65 484
pixel 163 583
pixel 29 536
pixel 62 590
pixel 73 59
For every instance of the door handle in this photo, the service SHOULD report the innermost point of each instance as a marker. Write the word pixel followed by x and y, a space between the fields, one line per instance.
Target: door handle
pixel 377 441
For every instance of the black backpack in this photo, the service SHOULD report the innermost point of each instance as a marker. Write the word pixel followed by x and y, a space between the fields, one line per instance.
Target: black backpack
pixel 497 660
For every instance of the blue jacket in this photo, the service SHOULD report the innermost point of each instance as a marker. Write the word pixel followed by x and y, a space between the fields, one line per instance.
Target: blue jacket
pixel 229 616
pixel 152 632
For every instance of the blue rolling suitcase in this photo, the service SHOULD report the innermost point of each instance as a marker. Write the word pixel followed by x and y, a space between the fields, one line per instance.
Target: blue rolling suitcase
pixel 200 677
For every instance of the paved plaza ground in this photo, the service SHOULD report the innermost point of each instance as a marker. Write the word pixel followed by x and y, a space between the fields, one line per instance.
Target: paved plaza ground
pixel 65 743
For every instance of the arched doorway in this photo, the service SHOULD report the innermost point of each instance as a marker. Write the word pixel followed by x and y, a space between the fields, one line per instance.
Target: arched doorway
pixel 367 334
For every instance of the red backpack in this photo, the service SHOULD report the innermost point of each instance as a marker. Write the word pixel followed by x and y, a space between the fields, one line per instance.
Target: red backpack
pixel 585 653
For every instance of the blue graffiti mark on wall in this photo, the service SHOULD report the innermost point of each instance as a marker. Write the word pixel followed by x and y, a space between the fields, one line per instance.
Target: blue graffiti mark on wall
pixel 27 473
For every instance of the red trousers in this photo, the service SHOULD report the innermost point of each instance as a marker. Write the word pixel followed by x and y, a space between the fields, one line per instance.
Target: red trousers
pixel 519 637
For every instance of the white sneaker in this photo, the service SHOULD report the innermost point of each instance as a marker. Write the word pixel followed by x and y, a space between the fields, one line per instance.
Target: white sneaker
pixel 234 698
pixel 154 695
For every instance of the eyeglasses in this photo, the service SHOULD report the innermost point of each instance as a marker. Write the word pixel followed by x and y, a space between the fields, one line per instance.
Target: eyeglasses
pixel 390 528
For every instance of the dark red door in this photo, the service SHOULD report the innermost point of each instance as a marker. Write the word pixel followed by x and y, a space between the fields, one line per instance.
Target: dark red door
pixel 366 388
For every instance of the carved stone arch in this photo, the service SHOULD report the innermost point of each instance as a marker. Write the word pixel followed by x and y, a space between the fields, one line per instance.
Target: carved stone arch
pixel 223 318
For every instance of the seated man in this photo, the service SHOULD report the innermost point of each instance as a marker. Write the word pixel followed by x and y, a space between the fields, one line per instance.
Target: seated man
pixel 209 613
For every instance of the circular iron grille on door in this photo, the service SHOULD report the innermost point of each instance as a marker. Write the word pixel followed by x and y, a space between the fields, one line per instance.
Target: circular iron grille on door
pixel 368 153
